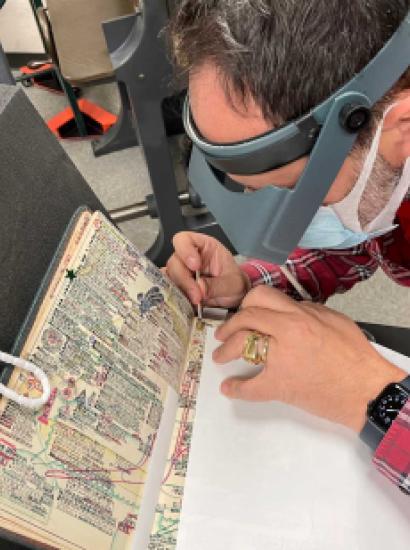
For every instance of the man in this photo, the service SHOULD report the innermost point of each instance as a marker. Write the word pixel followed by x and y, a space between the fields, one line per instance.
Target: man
pixel 254 66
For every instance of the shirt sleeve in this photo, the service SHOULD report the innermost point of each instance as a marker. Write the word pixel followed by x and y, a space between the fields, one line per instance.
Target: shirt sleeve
pixel 322 273
pixel 392 457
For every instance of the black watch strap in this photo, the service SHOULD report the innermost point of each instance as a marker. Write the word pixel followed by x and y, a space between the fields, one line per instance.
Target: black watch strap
pixel 372 434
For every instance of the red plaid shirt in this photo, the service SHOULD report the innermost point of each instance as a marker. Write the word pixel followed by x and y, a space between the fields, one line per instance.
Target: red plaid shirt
pixel 326 272
pixel 392 457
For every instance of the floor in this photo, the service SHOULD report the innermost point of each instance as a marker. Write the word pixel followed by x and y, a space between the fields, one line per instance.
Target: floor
pixel 122 178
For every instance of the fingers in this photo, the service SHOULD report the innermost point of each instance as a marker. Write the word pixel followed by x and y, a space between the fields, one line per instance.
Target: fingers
pixel 188 247
pixel 269 298
pixel 248 389
pixel 223 284
pixel 232 348
pixel 188 258
pixel 184 279
pixel 225 290
pixel 261 320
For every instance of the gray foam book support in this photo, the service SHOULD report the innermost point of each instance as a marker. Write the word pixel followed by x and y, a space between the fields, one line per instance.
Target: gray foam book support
pixel 40 190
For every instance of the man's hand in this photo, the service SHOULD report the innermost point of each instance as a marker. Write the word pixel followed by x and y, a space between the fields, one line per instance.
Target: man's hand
pixel 318 360
pixel 222 282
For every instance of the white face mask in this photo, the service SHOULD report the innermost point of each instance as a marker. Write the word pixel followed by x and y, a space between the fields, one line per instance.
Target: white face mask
pixel 30 403
pixel 338 226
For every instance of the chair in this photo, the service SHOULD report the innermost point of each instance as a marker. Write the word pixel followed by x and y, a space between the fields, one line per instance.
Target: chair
pixel 76 27
pixel 72 35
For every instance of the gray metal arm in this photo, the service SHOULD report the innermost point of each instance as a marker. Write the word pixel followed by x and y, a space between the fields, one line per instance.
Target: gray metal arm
pixel 141 63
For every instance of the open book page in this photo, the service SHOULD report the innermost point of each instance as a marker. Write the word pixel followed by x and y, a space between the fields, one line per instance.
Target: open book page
pixel 267 476
pixel 169 502
pixel 112 336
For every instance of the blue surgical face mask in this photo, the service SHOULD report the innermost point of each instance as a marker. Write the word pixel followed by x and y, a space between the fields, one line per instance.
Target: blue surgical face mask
pixel 327 230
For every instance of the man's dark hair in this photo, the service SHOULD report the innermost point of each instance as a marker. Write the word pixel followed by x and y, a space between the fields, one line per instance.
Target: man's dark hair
pixel 289 55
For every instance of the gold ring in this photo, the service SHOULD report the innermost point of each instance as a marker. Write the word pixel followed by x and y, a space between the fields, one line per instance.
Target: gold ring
pixel 265 349
pixel 255 350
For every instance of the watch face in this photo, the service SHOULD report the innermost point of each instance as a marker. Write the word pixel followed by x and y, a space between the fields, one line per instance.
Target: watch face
pixel 388 405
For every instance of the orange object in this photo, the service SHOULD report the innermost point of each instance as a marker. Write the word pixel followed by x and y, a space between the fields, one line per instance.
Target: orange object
pixel 97 120
pixel 27 70
pixel 47 81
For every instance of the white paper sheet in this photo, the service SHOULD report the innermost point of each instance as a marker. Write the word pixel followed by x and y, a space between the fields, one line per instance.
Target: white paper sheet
pixel 156 472
pixel 270 477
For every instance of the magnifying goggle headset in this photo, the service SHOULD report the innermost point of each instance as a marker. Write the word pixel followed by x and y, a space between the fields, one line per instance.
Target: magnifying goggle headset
pixel 269 223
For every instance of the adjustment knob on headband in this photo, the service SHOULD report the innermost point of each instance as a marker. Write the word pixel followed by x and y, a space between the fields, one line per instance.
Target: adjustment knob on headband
pixel 354 117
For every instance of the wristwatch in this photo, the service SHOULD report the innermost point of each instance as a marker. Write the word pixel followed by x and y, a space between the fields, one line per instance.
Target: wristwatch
pixel 382 411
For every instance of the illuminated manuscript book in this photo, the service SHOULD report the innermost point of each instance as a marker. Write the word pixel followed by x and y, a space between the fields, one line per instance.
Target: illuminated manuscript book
pixel 102 464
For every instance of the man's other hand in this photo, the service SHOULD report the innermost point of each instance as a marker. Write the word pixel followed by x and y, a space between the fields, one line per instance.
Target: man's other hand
pixel 318 360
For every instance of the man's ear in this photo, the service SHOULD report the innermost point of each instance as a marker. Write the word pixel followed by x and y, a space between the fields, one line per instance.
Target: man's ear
pixel 395 142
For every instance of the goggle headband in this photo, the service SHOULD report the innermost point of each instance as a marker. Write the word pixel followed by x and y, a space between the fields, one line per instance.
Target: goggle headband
pixel 297 139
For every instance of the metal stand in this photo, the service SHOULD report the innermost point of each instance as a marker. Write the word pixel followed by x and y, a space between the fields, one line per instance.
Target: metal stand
pixel 141 64
pixel 45 31
pixel 120 136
